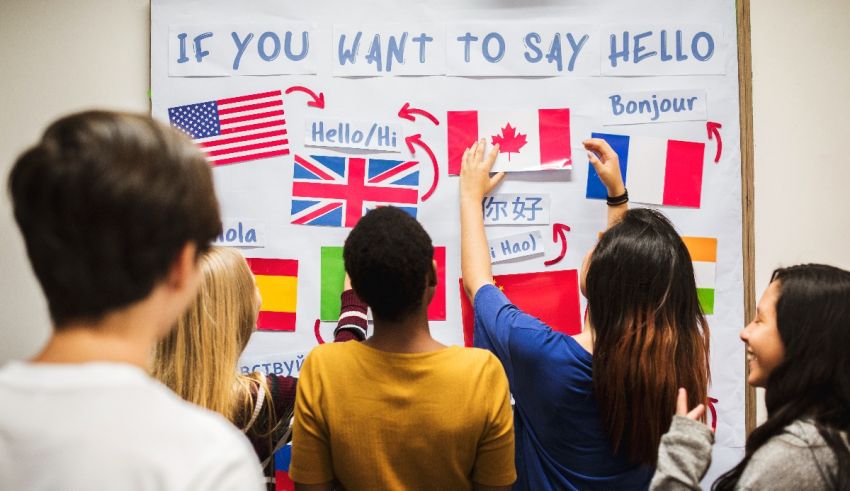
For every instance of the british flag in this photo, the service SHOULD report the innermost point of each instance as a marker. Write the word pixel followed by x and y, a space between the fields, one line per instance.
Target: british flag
pixel 337 191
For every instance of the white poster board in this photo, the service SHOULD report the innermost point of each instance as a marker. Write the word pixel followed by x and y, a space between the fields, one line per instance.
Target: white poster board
pixel 662 75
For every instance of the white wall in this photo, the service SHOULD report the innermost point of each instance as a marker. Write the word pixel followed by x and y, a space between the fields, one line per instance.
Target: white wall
pixel 64 56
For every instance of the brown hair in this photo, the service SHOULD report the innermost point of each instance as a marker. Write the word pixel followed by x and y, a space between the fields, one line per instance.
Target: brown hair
pixel 105 202
pixel 651 336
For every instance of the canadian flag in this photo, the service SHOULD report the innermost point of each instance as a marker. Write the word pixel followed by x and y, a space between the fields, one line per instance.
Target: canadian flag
pixel 529 140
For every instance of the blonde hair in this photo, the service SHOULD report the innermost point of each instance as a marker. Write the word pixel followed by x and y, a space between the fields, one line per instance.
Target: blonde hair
pixel 198 359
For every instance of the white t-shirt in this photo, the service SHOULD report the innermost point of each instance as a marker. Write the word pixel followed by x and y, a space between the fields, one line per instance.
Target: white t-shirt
pixel 111 426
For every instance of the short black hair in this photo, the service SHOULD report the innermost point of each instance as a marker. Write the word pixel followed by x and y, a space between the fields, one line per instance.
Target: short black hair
pixel 388 256
pixel 105 202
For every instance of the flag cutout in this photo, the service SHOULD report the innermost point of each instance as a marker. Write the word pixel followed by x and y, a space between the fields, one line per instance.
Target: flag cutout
pixel 282 459
pixel 333 277
pixel 235 129
pixel 703 251
pixel 655 170
pixel 277 280
pixel 552 297
pixel 337 191
pixel 529 140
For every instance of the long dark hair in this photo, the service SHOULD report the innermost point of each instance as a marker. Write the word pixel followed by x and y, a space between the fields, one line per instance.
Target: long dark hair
pixel 651 335
pixel 813 378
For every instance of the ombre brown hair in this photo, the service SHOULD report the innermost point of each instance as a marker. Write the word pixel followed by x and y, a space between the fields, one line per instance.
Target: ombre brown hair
pixel 651 336
pixel 198 360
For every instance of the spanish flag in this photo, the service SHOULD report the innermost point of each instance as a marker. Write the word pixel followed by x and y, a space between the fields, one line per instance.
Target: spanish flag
pixel 703 251
pixel 277 280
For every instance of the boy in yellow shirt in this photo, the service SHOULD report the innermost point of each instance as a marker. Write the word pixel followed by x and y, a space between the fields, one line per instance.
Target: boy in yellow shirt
pixel 400 410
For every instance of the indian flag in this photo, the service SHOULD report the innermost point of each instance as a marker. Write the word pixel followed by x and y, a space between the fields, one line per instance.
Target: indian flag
pixel 277 280
pixel 703 252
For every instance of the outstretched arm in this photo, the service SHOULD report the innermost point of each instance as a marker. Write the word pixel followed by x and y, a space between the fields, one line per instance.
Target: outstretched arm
pixel 475 182
pixel 352 315
pixel 607 165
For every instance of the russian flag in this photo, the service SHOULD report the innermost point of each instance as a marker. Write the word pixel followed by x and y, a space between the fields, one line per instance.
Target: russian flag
pixel 655 170
pixel 529 140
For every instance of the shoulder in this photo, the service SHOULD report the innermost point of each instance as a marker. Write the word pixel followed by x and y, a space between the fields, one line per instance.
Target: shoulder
pixel 797 455
pixel 476 360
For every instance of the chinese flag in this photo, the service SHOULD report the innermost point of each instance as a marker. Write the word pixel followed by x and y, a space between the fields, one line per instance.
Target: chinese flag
pixel 552 297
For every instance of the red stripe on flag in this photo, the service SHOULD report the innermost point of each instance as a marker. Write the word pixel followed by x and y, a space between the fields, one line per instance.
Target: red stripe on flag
pixel 462 128
pixel 250 156
pixel 255 126
pixel 312 168
pixel 321 211
pixel 554 127
pixel 273 267
pixel 249 107
pixel 250 97
pixel 237 139
pixel 276 321
pixel 395 170
pixel 245 148
pixel 437 307
pixel 683 173
pixel 343 191
pixel 249 117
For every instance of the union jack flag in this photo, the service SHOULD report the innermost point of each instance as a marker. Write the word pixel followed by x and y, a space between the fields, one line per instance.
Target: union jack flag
pixel 235 129
pixel 337 191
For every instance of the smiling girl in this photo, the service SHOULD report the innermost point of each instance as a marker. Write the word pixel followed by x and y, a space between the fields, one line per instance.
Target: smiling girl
pixel 797 349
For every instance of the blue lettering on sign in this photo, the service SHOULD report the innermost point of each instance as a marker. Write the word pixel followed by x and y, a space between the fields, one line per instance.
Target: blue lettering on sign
pixel 421 40
pixel 262 46
pixel 466 40
pixel 485 47
pixel 634 47
pixel 495 210
pixel 241 45
pixel 182 58
pixel 239 234
pixel 305 46
pixel 199 51
pixel 348 55
pixel 652 106
pixel 532 42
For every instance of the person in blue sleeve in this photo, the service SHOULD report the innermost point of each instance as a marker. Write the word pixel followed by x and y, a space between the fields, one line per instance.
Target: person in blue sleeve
pixel 591 408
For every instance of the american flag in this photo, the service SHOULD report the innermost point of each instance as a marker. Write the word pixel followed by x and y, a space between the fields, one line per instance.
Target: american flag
pixel 337 191
pixel 235 129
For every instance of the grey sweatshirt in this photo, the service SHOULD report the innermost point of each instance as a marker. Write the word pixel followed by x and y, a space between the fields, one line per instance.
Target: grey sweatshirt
pixel 798 458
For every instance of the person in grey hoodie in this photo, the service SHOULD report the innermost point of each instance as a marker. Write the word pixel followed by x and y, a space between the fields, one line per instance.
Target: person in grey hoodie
pixel 797 349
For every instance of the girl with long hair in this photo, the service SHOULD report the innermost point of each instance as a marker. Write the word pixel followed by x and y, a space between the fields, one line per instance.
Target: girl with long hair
pixel 198 359
pixel 797 349
pixel 591 408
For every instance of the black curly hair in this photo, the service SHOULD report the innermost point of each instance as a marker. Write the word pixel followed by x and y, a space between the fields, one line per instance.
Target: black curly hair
pixel 388 256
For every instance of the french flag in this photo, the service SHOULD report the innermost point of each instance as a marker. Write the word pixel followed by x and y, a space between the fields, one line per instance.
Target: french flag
pixel 529 140
pixel 655 170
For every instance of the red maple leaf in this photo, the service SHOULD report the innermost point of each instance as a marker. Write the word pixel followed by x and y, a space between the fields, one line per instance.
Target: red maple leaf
pixel 509 141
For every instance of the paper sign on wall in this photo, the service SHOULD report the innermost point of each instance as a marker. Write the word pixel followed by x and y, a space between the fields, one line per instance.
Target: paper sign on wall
pixel 656 106
pixel 408 49
pixel 643 50
pixel 516 209
pixel 285 364
pixel 241 233
pixel 534 139
pixel 222 50
pixel 515 246
pixel 368 135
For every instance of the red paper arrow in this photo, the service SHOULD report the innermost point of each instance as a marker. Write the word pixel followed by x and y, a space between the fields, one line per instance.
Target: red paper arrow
pixel 559 232
pixel 417 139
pixel 713 129
pixel 711 402
pixel 318 334
pixel 406 112
pixel 318 100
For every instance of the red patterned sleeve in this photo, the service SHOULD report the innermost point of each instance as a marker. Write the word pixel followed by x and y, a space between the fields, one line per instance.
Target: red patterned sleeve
pixel 352 318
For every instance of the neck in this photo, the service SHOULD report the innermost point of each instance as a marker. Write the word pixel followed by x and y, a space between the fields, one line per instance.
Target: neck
pixel 124 336
pixel 410 335
pixel 586 337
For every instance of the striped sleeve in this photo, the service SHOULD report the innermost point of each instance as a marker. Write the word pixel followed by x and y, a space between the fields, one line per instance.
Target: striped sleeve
pixel 352 318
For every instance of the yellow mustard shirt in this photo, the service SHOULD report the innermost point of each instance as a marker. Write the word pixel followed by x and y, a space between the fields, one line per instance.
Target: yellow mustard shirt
pixel 371 419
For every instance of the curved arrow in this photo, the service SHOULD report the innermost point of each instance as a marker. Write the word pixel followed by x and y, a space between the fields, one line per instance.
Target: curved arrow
pixel 559 232
pixel 318 100
pixel 713 129
pixel 417 140
pixel 711 402
pixel 406 112
pixel 318 334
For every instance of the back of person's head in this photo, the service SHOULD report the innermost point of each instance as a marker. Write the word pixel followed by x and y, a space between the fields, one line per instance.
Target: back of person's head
pixel 198 359
pixel 813 378
pixel 106 202
pixel 651 336
pixel 388 256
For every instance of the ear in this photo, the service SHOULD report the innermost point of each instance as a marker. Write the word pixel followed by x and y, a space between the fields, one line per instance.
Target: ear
pixel 432 278
pixel 184 268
